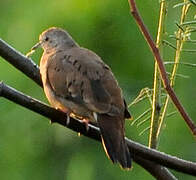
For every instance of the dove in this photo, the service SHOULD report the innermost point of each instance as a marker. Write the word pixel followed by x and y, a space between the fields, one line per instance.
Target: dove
pixel 77 81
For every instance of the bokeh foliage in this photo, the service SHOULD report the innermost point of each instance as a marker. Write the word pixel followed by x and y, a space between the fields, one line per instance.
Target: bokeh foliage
pixel 32 148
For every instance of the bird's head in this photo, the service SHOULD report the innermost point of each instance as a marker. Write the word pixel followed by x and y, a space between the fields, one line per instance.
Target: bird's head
pixel 54 38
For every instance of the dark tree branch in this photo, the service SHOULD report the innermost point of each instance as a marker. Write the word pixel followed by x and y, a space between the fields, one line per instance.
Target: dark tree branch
pixel 141 154
pixel 76 125
pixel 159 172
pixel 162 70
pixel 21 62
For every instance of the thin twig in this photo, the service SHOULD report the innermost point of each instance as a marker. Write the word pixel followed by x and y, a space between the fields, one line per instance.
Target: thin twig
pixel 179 75
pixel 144 93
pixel 144 130
pixel 188 23
pixel 162 70
pixel 141 116
pixel 181 63
pixel 143 121
pixel 138 150
pixel 179 46
pixel 156 99
pixel 175 48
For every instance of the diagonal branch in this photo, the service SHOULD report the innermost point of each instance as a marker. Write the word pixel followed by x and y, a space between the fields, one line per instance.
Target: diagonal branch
pixel 162 70
pixel 142 155
pixel 21 62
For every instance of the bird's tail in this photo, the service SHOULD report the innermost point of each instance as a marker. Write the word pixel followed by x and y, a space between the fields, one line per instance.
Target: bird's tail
pixel 112 133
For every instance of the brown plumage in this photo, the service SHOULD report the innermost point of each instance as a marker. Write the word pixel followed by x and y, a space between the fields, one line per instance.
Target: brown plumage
pixel 77 81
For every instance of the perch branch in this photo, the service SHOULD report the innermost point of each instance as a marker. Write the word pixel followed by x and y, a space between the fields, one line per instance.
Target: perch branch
pixel 140 152
pixel 162 70
pixel 19 61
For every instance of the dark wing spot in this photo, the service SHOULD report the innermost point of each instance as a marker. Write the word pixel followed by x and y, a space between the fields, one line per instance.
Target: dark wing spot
pixel 69 84
pixel 82 83
pixel 74 63
pixel 84 73
pixel 81 88
pixel 82 92
pixel 67 57
pixel 99 93
pixel 79 67
pixel 57 69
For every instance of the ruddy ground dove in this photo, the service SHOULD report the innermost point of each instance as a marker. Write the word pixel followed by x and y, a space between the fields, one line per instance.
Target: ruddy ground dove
pixel 77 81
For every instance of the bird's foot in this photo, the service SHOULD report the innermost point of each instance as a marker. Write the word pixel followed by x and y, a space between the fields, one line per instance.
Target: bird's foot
pixel 68 120
pixel 86 122
pixel 69 114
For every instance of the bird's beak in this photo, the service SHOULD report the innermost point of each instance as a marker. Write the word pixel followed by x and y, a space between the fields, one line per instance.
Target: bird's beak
pixel 29 54
pixel 36 46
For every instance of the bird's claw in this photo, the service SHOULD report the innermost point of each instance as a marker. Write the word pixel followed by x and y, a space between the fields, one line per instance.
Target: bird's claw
pixel 86 122
pixel 68 120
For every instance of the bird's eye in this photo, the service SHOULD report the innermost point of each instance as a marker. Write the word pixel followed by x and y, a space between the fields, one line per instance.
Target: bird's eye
pixel 46 39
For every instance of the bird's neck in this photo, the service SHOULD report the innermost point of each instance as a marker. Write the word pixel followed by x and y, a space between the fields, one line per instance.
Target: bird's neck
pixel 63 46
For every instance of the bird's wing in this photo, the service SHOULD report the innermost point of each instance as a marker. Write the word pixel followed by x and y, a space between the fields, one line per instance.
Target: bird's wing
pixel 80 76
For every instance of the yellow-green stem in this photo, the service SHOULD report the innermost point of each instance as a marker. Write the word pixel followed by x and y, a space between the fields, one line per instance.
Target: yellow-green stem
pixel 180 38
pixel 156 101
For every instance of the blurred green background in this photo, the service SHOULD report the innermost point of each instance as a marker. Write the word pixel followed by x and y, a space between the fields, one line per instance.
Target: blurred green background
pixel 32 148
